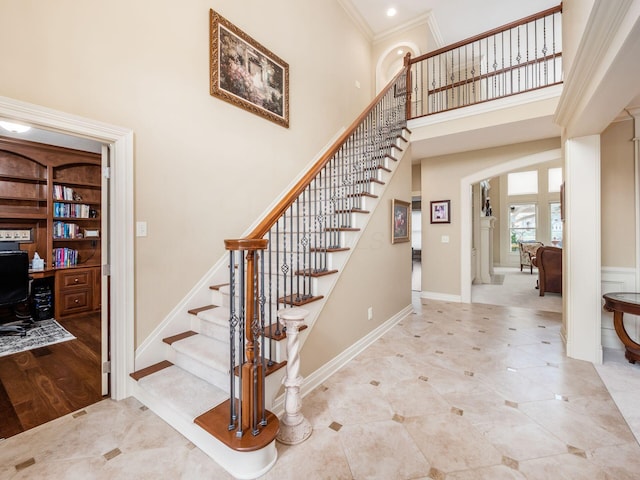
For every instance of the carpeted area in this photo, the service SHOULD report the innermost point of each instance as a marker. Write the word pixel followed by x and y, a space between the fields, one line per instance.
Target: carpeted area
pixel 46 332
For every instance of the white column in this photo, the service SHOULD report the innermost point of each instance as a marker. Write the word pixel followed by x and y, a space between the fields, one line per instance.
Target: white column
pixel 294 428
pixel 486 248
pixel 582 247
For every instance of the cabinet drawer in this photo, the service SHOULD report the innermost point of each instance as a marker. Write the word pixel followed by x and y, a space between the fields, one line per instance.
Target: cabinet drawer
pixel 75 301
pixel 79 278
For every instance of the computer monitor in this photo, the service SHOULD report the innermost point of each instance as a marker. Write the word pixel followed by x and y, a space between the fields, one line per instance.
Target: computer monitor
pixel 9 246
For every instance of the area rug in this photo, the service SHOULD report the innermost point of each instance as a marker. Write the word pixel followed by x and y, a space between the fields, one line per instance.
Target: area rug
pixel 46 332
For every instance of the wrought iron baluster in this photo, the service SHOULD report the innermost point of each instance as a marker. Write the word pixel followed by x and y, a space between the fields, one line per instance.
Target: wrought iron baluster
pixel 241 342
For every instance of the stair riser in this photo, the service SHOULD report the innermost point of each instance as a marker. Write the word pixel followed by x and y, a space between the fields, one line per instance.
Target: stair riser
pixel 215 377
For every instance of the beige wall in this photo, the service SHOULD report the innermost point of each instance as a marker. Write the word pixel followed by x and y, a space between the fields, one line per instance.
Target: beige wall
pixel 617 195
pixel 441 178
pixel 204 169
pixel 416 179
pixel 378 275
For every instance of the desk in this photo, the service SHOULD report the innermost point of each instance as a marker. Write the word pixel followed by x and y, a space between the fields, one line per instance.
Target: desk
pixel 620 303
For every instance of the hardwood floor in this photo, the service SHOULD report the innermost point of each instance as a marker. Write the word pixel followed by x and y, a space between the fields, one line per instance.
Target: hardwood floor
pixel 45 383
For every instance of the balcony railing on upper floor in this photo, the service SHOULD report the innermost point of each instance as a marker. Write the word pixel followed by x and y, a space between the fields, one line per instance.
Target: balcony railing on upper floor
pixel 519 57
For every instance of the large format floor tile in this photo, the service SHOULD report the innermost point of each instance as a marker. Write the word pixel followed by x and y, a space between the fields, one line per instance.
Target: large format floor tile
pixel 453 392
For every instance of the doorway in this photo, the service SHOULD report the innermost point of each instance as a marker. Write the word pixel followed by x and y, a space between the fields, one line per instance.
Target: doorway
pixel 57 366
pixel 120 301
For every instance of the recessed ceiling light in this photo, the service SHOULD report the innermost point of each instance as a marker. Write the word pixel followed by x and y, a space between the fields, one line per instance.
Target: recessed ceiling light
pixel 400 52
pixel 391 12
pixel 14 127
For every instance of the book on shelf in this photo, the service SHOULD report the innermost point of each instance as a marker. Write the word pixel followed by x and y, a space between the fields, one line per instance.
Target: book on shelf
pixel 60 192
pixel 63 230
pixel 64 257
pixel 71 210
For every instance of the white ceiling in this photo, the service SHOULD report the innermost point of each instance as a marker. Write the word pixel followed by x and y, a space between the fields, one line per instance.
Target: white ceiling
pixel 455 20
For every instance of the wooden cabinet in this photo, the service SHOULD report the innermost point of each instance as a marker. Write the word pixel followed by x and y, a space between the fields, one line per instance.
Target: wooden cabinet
pixel 75 289
pixel 50 197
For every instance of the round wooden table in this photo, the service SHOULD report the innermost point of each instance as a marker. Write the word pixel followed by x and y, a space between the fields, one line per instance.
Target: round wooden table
pixel 620 303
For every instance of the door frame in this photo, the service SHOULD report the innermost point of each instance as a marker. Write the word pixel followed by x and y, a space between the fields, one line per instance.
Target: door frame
pixel 120 238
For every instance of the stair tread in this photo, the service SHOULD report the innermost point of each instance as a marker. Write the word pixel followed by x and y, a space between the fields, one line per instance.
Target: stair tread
pixel 270 331
pixel 143 372
pixel 310 272
pixel 180 336
pixel 196 311
pixel 187 394
pixel 329 249
pixel 292 300
pixel 218 286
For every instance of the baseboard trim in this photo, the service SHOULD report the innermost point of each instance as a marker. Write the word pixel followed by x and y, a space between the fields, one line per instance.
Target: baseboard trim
pixel 444 297
pixel 331 367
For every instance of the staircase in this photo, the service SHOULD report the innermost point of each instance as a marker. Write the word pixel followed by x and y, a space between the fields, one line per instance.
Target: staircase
pixel 219 377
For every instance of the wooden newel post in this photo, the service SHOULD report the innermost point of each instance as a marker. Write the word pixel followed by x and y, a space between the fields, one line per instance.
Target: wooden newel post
pixel 294 428
pixel 252 385
pixel 407 66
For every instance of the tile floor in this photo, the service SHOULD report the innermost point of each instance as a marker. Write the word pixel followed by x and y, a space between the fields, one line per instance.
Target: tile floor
pixel 455 392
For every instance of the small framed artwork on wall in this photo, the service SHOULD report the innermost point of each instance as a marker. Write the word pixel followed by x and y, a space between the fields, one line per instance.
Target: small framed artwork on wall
pixel 441 211
pixel 400 221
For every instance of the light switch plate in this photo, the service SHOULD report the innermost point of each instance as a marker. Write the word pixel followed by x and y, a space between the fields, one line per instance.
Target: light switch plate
pixel 141 229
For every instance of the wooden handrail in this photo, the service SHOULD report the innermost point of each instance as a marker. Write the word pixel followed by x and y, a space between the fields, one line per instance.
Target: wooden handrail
pixel 495 73
pixel 489 33
pixel 272 217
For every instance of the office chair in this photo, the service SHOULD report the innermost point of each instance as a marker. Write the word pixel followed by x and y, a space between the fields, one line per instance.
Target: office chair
pixel 15 286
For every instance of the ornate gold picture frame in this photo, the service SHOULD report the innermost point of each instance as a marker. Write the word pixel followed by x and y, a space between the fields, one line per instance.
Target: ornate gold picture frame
pixel 400 221
pixel 246 74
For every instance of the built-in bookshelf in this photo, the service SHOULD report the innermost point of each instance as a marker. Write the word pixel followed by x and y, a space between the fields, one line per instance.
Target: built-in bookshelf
pixel 51 197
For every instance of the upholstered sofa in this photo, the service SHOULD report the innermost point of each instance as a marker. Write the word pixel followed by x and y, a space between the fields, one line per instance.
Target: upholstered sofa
pixel 549 263
pixel 527 251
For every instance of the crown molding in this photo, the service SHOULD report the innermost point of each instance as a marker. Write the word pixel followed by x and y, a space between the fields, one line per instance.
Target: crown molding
pixel 419 20
pixel 602 26
pixel 357 19
pixel 434 27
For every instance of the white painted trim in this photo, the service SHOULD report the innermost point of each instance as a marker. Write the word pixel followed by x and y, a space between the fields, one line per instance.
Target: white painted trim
pixel 617 279
pixel 120 238
pixel 380 82
pixel 466 211
pixel 419 20
pixel 525 98
pixel 635 114
pixel 434 26
pixel 441 297
pixel 331 367
pixel 582 249
pixel 357 19
pixel 602 26
pixel 242 465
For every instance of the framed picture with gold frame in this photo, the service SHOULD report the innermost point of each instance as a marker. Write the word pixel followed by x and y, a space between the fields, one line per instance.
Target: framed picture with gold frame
pixel 246 74
pixel 400 221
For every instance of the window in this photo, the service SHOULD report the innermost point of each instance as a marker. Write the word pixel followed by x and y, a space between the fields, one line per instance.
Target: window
pixel 522 224
pixel 556 224
pixel 555 179
pixel 522 183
